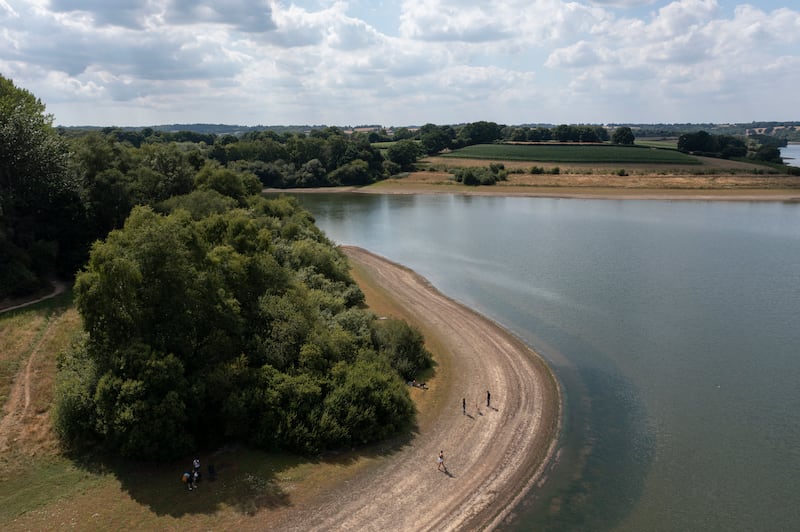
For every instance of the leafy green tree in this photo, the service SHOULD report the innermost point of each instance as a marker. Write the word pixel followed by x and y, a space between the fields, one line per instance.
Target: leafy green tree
pixel 160 171
pixel 768 153
pixel 404 153
pixel 481 132
pixel 436 139
pixel 623 135
pixel 404 347
pixel 700 141
pixel 402 133
pixel 227 182
pixel 566 133
pixel 40 207
pixel 540 134
pixel 356 172
pixel 367 382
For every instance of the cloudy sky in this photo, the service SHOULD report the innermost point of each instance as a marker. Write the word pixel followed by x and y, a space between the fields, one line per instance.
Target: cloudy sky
pixel 270 62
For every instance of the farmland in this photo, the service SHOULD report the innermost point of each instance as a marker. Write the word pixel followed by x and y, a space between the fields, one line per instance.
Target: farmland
pixel 573 153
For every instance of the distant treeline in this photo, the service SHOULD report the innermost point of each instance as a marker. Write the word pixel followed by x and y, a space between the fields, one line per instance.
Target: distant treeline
pixel 763 148
pixel 782 130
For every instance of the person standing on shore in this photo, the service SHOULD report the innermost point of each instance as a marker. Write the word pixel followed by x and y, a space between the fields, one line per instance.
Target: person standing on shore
pixel 488 399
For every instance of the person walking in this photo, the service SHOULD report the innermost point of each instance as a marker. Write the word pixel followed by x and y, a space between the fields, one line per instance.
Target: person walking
pixel 464 406
pixel 488 399
pixel 440 460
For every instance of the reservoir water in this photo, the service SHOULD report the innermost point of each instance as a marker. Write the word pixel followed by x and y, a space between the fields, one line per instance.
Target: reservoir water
pixel 791 154
pixel 674 328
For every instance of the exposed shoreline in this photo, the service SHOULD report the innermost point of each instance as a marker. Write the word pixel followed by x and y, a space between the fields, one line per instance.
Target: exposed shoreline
pixel 566 192
pixel 494 455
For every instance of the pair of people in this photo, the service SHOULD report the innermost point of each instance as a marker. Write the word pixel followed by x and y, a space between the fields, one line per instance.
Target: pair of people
pixel 190 479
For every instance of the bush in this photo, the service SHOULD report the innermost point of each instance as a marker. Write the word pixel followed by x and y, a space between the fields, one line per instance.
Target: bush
pixel 479 176
pixel 404 347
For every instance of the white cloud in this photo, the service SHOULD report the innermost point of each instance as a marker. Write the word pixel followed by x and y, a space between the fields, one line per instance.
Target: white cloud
pixel 259 61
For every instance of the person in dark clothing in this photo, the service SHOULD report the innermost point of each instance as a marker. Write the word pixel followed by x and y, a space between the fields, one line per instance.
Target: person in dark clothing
pixel 488 398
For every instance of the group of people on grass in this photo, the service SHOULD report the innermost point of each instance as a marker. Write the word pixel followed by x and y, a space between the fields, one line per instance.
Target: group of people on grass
pixel 190 478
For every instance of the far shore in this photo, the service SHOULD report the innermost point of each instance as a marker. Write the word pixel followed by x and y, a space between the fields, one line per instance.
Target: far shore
pixel 787 195
pixel 771 189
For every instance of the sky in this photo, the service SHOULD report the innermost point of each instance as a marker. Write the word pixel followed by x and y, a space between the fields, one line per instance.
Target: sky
pixel 404 63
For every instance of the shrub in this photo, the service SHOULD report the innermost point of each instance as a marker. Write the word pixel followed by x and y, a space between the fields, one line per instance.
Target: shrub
pixel 404 347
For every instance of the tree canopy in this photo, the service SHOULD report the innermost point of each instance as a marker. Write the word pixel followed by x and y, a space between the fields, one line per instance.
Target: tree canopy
pixel 623 135
pixel 235 322
pixel 41 218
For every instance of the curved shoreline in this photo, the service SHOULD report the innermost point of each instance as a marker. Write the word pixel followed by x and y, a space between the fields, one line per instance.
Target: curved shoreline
pixel 494 455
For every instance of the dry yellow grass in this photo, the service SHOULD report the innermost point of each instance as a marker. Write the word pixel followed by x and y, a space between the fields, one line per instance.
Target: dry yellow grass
pixel 713 179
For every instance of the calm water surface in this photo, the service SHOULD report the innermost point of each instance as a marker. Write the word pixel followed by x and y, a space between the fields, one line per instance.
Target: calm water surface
pixel 791 154
pixel 674 328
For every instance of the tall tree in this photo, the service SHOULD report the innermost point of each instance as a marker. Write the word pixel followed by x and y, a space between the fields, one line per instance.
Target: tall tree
pixel 623 135
pixel 404 153
pixel 41 219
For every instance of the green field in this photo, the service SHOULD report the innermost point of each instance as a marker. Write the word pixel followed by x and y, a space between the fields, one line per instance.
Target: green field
pixel 573 153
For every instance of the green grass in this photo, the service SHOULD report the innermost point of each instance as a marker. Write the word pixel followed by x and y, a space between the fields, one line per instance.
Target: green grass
pixel 574 153
pixel 42 487
pixel 384 145
pixel 668 144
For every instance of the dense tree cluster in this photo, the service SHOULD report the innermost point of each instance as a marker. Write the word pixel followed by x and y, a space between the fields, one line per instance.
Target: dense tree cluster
pixel 727 146
pixel 60 192
pixel 210 313
pixel 326 157
pixel 560 133
pixel 229 319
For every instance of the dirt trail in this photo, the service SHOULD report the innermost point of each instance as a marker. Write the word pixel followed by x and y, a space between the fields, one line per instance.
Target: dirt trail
pixel 17 407
pixel 493 455
pixel 58 288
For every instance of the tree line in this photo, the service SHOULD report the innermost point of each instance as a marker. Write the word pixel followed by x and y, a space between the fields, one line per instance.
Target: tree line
pixel 730 147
